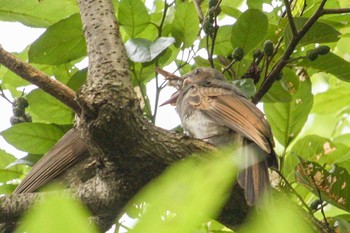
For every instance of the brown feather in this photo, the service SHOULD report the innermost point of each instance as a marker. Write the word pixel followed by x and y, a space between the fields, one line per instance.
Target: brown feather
pixel 68 151
pixel 215 111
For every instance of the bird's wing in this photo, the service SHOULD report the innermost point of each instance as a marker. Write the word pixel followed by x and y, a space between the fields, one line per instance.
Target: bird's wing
pixel 234 111
pixel 69 150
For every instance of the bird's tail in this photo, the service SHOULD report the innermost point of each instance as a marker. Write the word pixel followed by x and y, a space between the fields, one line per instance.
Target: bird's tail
pixel 254 176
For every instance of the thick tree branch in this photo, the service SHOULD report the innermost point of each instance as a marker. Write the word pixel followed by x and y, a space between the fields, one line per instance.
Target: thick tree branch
pixel 13 206
pixel 38 78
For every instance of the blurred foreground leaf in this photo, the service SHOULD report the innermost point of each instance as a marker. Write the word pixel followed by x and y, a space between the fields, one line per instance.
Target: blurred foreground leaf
pixel 57 214
pixel 278 216
pixel 186 195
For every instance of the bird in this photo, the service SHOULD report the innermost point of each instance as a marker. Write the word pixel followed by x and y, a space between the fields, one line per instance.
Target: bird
pixel 214 110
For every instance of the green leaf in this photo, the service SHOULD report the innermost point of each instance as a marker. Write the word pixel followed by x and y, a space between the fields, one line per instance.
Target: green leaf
pixel 223 44
pixel 142 50
pixel 333 185
pixel 246 86
pixel 45 108
pixel 36 138
pixel 64 72
pixel 257 4
pixel 249 30
pixel 133 16
pixel 277 94
pixel 61 43
pixel 343 222
pixel 78 79
pixel 185 25
pixel 279 215
pixel 56 210
pixel 332 101
pixel 332 64
pixel 7 188
pixel 37 13
pixel 6 173
pixel 28 160
pixel 5 158
pixel 317 149
pixel 344 138
pixel 318 33
pixel 183 191
pixel 287 119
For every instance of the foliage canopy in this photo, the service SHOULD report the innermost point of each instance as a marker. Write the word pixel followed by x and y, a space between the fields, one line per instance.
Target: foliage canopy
pixel 304 89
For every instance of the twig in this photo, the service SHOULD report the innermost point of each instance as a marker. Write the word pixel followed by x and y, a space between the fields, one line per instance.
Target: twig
pixel 290 17
pixel 4 96
pixel 159 87
pixel 38 78
pixel 293 191
pixel 228 66
pixel 335 11
pixel 198 9
pixel 320 197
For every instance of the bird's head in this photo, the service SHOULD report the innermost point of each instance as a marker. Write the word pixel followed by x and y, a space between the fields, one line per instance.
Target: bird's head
pixel 202 76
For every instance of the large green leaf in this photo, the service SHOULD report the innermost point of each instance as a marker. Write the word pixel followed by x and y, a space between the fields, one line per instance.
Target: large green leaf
pixel 36 138
pixel 287 119
pixel 61 43
pixel 133 16
pixel 318 33
pixel 332 101
pixel 317 149
pixel 223 44
pixel 185 25
pixel 332 64
pixel 277 94
pixel 37 13
pixel 183 191
pixel 142 50
pixel 45 108
pixel 249 30
pixel 56 210
pixel 333 184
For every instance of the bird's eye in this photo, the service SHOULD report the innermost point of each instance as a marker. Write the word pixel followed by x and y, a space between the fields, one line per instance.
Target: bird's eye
pixel 197 71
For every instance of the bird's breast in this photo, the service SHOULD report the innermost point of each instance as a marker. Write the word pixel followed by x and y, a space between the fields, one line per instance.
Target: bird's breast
pixel 199 126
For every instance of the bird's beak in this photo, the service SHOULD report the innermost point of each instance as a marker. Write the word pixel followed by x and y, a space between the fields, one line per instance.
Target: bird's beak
pixel 172 99
pixel 168 76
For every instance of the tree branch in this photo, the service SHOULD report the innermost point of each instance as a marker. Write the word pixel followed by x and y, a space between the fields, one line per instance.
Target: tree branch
pixel 335 11
pixel 290 17
pixel 287 53
pixel 38 78
pixel 11 207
